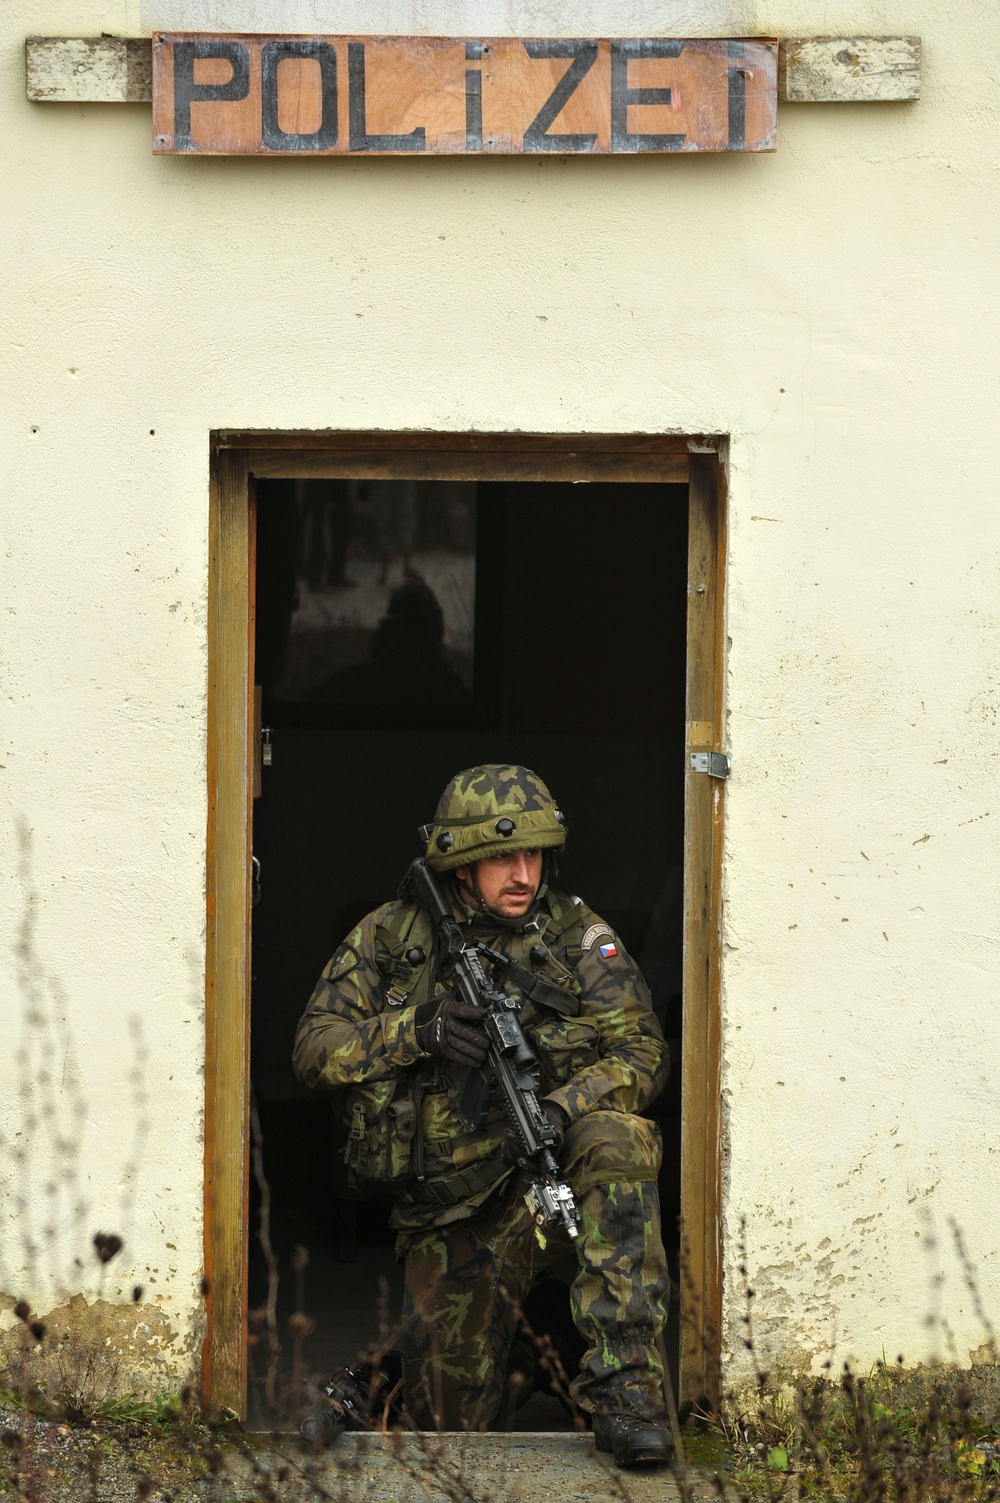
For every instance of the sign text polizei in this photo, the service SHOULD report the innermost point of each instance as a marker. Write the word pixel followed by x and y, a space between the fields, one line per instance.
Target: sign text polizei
pixel 293 95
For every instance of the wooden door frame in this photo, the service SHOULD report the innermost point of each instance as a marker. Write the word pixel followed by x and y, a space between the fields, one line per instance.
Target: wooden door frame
pixel 237 458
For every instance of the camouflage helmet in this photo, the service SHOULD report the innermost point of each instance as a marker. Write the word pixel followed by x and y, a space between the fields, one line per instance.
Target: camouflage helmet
pixel 487 810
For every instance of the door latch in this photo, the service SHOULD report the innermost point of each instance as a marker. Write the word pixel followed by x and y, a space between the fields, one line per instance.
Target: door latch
pixel 716 764
pixel 266 750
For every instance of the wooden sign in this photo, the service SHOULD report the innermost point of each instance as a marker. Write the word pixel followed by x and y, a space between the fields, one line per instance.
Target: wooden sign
pixel 322 95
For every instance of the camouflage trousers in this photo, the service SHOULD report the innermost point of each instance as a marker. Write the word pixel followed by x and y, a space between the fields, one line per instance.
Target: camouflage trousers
pixel 464 1284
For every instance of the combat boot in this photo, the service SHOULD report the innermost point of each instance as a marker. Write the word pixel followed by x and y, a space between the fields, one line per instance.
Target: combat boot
pixel 632 1439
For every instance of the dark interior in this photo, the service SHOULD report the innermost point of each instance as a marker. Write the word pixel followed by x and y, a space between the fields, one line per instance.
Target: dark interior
pixel 579 673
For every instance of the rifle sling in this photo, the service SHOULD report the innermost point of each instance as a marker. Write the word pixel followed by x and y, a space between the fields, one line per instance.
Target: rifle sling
pixel 543 993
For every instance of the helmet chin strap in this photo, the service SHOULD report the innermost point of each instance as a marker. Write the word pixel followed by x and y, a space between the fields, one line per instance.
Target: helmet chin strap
pixel 476 899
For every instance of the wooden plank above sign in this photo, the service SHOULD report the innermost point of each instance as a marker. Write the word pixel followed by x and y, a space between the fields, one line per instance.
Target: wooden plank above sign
pixel 256 95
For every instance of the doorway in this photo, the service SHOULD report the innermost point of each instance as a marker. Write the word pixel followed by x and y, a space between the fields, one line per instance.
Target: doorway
pixel 556 613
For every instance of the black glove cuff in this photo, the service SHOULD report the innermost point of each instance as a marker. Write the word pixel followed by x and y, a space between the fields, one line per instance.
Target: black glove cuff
pixel 423 1013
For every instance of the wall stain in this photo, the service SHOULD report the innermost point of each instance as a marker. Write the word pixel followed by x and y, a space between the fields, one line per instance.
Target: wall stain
pixel 95 1352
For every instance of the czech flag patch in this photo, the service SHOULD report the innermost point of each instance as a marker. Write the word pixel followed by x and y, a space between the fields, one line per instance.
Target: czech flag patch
pixel 608 950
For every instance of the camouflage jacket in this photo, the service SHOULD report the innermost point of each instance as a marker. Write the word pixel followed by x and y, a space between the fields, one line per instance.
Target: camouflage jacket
pixel 357 1037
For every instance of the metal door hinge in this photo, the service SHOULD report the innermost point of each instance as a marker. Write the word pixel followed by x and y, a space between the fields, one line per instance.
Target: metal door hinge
pixel 716 764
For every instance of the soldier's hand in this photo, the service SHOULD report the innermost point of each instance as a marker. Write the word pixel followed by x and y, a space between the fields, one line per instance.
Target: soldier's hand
pixel 510 1148
pixel 451 1030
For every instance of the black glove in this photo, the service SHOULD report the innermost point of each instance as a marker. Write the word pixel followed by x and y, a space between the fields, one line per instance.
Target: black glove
pixel 443 1029
pixel 510 1148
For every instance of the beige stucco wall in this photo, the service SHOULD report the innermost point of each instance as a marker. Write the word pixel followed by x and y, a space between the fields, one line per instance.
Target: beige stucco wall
pixel 832 307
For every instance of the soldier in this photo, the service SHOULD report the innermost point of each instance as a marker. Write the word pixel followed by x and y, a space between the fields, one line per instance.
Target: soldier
pixel 382 1024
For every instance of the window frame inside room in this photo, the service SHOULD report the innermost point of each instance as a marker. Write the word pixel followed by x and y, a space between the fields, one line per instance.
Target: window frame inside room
pixel 237 460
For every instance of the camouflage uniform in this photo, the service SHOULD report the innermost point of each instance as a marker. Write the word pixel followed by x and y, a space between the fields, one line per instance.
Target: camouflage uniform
pixel 468 1239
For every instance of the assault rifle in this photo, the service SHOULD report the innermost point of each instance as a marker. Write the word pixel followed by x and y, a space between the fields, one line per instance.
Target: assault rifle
pixel 510 1061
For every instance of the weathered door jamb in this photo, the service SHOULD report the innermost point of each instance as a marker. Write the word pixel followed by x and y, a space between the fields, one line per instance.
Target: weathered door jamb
pixel 704 799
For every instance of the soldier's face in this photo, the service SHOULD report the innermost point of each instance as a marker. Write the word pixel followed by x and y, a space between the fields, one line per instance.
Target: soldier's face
pixel 509 882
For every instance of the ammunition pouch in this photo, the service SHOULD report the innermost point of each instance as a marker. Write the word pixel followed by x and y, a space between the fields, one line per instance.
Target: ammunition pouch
pixel 381 1123
pixel 384 1148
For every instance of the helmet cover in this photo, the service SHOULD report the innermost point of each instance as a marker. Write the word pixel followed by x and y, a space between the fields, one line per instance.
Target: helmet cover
pixel 487 810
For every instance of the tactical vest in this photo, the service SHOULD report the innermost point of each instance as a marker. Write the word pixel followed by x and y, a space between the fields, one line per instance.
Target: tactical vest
pixel 385 1144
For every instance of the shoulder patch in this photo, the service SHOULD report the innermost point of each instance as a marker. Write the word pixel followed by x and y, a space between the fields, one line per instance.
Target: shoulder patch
pixel 345 960
pixel 594 932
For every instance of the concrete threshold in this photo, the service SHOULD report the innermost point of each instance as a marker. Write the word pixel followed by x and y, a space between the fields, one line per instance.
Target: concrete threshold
pixel 506 1467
